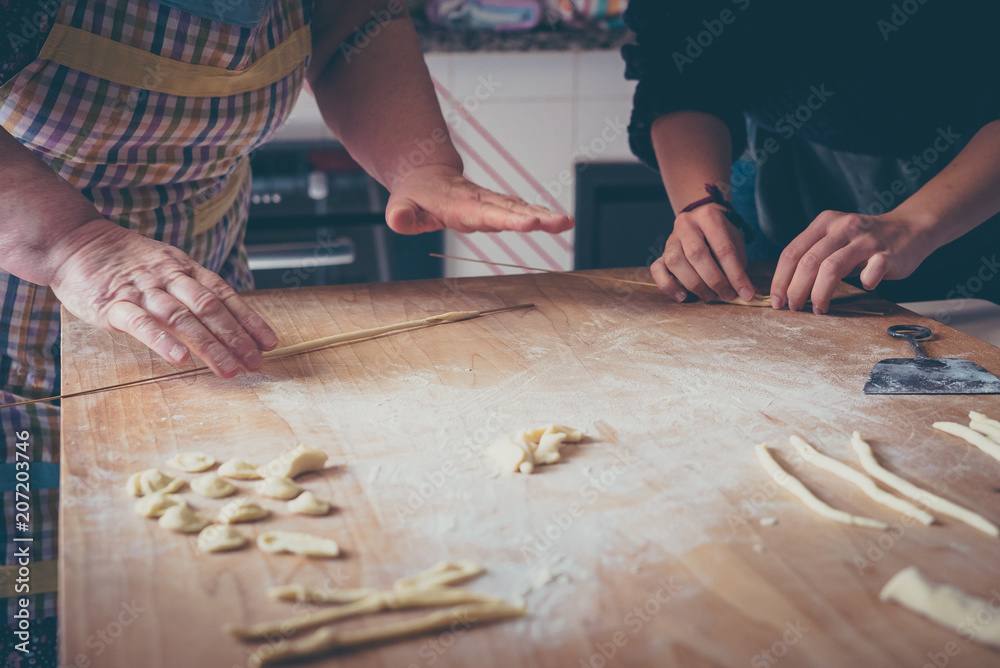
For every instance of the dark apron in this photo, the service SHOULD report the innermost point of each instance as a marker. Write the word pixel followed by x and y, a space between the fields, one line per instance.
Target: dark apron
pixel 797 179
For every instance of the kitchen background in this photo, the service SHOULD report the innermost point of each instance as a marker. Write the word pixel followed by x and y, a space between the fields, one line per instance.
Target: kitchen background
pixel 529 110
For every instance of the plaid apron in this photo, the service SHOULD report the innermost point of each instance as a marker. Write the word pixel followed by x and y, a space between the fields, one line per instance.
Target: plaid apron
pixel 150 111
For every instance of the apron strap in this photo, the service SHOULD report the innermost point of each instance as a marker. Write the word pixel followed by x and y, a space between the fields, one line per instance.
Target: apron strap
pixel 129 66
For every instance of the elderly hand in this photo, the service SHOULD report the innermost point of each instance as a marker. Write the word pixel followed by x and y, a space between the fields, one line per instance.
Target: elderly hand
pixel 436 197
pixel 121 281
pixel 837 245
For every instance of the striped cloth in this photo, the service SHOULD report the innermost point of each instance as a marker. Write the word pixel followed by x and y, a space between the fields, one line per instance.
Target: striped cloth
pixel 148 160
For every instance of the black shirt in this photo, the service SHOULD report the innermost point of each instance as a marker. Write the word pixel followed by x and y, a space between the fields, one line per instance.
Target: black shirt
pixel 879 78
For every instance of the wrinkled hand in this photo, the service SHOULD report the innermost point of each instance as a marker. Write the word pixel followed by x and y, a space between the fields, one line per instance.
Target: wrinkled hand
pixel 438 197
pixel 704 254
pixel 121 281
pixel 837 245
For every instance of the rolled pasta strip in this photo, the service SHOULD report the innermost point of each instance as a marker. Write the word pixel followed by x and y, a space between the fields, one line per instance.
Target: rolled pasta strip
pixel 301 594
pixel 328 640
pixel 790 483
pixel 918 494
pixel 398 600
pixel 948 606
pixel 985 425
pixel 985 444
pixel 863 482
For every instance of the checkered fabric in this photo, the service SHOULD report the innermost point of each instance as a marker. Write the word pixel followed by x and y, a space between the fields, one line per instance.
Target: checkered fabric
pixel 145 159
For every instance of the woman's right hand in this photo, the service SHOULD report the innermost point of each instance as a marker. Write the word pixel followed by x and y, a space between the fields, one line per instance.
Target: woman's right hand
pixel 122 281
pixel 704 254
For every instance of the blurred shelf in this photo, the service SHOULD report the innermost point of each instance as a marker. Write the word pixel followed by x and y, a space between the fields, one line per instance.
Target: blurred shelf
pixel 440 40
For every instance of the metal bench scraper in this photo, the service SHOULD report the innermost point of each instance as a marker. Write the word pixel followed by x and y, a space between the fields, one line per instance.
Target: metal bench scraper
pixel 927 375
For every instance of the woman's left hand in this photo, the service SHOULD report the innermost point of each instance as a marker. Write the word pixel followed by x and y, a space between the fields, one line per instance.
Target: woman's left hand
pixel 837 245
pixel 436 197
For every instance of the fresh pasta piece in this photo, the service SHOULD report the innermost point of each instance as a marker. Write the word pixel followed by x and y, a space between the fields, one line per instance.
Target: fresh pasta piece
pixel 242 510
pixel 278 487
pixel 948 606
pixel 328 639
pixel 183 519
pixel 220 538
pixel 151 481
pixel 241 470
pixel 376 602
pixel 308 503
pixel 985 425
pixel 932 501
pixel 296 462
pixel 212 486
pixel 982 442
pixel 155 504
pixel 192 462
pixel 532 447
pixel 800 491
pixel 863 482
pixel 306 544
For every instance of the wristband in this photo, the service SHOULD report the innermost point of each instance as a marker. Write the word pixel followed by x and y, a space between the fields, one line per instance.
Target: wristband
pixel 715 197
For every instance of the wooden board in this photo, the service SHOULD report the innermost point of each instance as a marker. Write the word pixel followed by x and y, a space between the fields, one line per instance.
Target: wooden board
pixel 643 548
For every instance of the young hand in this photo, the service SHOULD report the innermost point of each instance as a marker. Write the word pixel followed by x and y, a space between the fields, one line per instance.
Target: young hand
pixel 704 254
pixel 837 245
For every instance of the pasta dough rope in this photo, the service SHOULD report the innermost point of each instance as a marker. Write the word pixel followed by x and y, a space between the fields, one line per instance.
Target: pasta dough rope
pixel 948 606
pixel 932 501
pixel 863 482
pixel 326 640
pixel 792 484
pixel 985 425
pixel 985 444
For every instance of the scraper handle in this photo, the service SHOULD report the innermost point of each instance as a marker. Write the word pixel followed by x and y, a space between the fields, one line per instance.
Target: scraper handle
pixel 913 334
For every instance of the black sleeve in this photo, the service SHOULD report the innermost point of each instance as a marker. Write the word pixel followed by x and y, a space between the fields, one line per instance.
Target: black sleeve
pixel 685 57
pixel 24 26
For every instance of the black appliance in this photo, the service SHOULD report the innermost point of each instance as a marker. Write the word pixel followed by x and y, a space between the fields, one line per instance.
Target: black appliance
pixel 316 218
pixel 623 216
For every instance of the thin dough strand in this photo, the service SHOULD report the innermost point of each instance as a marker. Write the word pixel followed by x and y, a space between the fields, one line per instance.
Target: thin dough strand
pixel 327 640
pixel 789 482
pixel 985 425
pixel 863 482
pixel 972 436
pixel 377 602
pixel 932 501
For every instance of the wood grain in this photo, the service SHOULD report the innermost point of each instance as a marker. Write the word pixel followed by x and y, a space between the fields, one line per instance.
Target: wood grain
pixel 644 544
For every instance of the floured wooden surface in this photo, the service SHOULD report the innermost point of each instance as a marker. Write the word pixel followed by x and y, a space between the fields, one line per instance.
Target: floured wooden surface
pixel 644 543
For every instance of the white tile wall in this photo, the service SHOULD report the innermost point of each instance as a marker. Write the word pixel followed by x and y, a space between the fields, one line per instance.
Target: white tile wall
pixel 547 110
pixel 520 121
pixel 601 74
pixel 518 76
pixel 304 122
